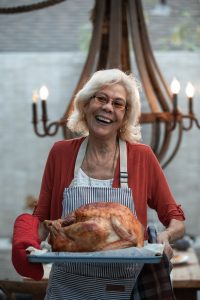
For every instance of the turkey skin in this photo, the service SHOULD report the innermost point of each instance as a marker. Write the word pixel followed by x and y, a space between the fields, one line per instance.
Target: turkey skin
pixel 95 227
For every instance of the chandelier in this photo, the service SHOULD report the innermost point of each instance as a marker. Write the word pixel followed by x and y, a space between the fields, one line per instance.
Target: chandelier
pixel 115 24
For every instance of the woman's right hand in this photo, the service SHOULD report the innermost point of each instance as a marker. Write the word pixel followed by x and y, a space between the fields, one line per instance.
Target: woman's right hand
pixel 43 230
pixel 25 234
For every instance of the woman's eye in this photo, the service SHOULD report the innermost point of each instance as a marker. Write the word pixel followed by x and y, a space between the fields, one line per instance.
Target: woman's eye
pixel 102 99
pixel 118 104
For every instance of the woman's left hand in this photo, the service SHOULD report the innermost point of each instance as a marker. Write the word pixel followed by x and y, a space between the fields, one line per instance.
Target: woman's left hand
pixel 163 238
pixel 173 232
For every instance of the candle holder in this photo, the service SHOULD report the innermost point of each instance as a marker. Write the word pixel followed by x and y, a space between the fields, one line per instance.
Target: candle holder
pixel 177 116
pixel 50 129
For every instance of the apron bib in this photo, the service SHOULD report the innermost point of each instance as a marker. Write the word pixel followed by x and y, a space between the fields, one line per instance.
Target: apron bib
pixel 74 281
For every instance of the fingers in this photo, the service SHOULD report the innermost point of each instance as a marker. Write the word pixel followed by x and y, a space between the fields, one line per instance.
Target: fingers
pixel 163 239
pixel 47 223
pixel 168 251
pixel 54 227
pixel 56 223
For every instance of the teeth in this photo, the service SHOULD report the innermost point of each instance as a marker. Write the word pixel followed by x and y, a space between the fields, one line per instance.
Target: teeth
pixel 100 118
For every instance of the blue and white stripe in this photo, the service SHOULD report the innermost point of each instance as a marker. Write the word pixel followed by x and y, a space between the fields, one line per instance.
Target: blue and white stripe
pixel 82 195
pixel 68 286
pixel 100 270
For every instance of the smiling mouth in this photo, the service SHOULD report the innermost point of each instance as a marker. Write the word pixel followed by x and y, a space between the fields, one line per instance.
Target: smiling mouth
pixel 103 120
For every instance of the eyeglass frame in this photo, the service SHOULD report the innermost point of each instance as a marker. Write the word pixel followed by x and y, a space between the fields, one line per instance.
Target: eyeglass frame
pixel 96 97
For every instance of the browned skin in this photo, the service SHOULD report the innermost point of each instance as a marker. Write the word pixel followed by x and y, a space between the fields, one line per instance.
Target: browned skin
pixel 94 227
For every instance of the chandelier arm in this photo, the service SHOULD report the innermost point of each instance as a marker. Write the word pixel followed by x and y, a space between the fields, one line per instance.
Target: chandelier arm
pixel 192 120
pixel 28 8
pixel 177 146
pixel 165 143
pixel 139 55
pixel 35 127
pixel 155 137
pixel 115 35
pixel 154 77
pixel 103 49
pixel 125 52
pixel 149 50
pixel 197 123
pixel 160 97
pixel 56 126
pixel 151 68
pixel 93 53
pixel 175 116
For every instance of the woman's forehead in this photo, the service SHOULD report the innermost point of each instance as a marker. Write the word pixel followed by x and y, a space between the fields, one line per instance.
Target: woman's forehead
pixel 116 89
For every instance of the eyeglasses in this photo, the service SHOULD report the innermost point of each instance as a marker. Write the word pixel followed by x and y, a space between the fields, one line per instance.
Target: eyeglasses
pixel 103 99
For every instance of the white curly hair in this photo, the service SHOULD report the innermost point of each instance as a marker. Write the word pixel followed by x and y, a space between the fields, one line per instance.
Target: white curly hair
pixel 130 130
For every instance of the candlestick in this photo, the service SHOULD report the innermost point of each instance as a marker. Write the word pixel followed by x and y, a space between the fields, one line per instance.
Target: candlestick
pixel 190 106
pixel 44 95
pixel 175 88
pixel 175 102
pixel 44 110
pixel 190 93
pixel 34 106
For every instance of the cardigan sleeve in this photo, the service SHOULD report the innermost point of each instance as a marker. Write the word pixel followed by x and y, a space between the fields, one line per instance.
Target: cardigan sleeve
pixel 160 196
pixel 42 210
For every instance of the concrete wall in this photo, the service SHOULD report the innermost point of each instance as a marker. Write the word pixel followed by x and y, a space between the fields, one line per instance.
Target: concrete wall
pixel 61 27
pixel 23 154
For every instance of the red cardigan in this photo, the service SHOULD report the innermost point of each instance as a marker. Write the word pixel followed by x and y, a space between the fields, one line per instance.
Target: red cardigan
pixel 145 178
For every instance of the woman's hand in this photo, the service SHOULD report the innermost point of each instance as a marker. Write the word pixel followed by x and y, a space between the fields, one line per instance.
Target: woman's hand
pixel 25 234
pixel 163 238
pixel 42 231
pixel 173 232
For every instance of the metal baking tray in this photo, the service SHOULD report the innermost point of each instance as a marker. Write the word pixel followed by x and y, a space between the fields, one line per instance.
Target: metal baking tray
pixel 128 255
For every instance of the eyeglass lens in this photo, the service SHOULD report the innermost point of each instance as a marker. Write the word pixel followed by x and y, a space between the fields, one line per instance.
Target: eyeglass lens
pixel 117 103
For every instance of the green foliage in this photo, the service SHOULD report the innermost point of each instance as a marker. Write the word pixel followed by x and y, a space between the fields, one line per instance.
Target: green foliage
pixel 182 38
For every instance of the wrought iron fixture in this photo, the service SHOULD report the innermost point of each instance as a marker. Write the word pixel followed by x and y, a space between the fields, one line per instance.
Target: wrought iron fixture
pixel 115 23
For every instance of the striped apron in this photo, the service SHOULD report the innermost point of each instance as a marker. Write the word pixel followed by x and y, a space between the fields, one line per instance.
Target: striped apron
pixel 81 281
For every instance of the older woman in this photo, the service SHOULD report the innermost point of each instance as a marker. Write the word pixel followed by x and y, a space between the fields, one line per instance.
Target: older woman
pixel 107 163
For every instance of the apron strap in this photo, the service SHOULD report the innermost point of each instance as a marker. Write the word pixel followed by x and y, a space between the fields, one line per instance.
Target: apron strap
pixel 123 161
pixel 123 164
pixel 80 156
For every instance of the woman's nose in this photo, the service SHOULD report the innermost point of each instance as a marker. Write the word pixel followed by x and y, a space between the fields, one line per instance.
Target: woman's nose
pixel 108 106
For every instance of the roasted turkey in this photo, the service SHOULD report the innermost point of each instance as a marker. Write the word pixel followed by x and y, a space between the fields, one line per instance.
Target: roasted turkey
pixel 95 227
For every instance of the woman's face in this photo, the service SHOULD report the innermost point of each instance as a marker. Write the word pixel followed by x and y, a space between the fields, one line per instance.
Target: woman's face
pixel 105 112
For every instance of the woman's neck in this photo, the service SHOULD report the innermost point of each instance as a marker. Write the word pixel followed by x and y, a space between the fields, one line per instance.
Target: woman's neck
pixel 101 147
pixel 100 158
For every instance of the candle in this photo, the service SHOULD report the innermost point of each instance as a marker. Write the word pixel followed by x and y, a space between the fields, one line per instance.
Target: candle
pixel 190 93
pixel 35 96
pixel 175 88
pixel 34 106
pixel 44 95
